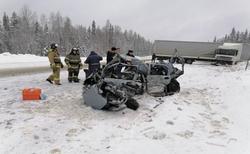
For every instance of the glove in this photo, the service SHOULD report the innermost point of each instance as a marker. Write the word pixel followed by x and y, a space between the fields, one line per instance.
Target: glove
pixel 62 65
pixel 81 66
pixel 53 65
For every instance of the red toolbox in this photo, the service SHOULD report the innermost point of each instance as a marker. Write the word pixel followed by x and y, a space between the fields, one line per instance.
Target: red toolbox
pixel 31 93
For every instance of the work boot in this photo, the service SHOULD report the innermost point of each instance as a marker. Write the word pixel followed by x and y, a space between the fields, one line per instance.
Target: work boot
pixel 70 80
pixel 49 81
pixel 57 83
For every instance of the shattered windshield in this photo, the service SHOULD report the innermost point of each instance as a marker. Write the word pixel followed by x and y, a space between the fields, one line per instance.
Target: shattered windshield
pixel 231 52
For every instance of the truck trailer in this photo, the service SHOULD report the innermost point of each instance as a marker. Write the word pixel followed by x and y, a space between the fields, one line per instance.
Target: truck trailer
pixel 229 53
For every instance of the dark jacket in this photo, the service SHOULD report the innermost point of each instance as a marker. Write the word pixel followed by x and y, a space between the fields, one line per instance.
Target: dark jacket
pixel 110 56
pixel 153 57
pixel 94 61
pixel 130 54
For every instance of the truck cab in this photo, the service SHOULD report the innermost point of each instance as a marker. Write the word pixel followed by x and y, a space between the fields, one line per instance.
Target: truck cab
pixel 228 53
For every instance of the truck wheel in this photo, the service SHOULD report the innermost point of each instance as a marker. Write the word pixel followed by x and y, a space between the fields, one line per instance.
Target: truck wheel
pixel 132 104
pixel 178 61
pixel 188 61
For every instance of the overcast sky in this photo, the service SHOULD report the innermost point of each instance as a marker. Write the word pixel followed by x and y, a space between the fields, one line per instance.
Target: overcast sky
pixel 196 20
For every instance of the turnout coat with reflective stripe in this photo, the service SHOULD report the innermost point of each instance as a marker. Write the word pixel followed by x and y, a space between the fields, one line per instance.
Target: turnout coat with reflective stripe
pixel 54 56
pixel 73 60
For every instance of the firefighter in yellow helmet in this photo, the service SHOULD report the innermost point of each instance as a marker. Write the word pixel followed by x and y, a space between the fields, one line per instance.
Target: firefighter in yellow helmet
pixel 55 64
pixel 73 61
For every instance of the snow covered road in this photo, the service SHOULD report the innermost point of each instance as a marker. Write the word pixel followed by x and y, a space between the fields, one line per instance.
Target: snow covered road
pixel 209 115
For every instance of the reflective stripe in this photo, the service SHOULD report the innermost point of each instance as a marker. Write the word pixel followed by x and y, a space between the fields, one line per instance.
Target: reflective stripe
pixel 95 64
pixel 72 60
pixel 74 67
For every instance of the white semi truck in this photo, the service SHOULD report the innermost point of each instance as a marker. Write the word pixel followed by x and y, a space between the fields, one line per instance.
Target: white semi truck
pixel 232 52
pixel 229 53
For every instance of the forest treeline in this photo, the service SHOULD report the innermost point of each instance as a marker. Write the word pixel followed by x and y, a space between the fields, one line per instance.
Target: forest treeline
pixel 235 36
pixel 27 33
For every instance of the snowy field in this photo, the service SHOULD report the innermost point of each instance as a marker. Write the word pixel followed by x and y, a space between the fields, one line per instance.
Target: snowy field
pixel 211 114
pixel 10 61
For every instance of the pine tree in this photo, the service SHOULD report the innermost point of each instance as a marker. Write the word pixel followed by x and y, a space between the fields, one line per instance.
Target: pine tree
pixel 46 28
pixel 111 35
pixel 215 39
pixel 248 38
pixel 232 36
pixel 14 20
pixel 93 28
pixel 45 38
pixel 237 38
pixel 37 28
pixel 245 36
pixel 6 23
pixel 69 40
pixel 39 43
pixel 6 34
pixel 225 38
pixel 1 38
pixel 1 29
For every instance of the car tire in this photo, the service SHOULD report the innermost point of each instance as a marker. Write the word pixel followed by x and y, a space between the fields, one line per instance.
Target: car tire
pixel 173 87
pixel 132 104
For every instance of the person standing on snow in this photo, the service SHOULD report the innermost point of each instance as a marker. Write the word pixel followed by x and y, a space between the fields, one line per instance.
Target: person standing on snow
pixel 153 57
pixel 55 64
pixel 74 63
pixel 130 53
pixel 93 60
pixel 111 54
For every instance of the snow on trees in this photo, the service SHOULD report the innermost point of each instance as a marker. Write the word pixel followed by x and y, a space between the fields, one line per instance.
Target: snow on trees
pixel 26 33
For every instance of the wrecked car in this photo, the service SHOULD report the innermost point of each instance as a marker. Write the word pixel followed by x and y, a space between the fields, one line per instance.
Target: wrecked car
pixel 114 86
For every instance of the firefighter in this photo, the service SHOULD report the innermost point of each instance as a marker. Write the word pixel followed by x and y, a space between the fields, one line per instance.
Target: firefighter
pixel 55 64
pixel 94 63
pixel 74 64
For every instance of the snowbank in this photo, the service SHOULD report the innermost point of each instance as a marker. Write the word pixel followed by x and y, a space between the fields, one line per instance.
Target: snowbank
pixel 8 60
pixel 209 115
pixel 11 61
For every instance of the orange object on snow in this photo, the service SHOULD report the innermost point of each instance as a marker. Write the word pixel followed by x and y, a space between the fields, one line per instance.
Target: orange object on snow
pixel 31 93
